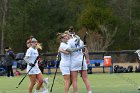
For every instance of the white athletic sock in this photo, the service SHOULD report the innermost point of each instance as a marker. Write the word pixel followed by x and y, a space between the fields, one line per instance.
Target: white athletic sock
pixel 45 91
pixel 36 91
pixel 139 88
pixel 46 81
pixel 89 91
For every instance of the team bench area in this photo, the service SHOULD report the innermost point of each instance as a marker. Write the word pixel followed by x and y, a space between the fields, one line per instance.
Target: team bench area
pixel 105 63
pixel 100 64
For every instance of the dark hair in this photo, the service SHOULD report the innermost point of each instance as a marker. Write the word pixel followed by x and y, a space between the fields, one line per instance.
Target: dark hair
pixel 6 48
pixel 71 29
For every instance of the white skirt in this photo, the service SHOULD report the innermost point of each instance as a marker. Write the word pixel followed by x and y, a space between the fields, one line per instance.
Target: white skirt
pixel 76 66
pixel 34 70
pixel 65 70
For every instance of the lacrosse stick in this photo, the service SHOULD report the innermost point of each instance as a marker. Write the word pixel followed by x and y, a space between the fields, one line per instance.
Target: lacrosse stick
pixel 57 60
pixel 138 53
pixel 83 52
pixel 26 73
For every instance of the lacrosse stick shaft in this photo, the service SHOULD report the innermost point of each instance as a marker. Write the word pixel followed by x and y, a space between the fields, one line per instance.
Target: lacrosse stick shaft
pixel 58 58
pixel 82 62
pixel 24 77
pixel 53 80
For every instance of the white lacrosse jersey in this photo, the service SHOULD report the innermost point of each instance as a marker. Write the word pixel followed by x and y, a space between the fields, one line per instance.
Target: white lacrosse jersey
pixel 77 56
pixel 65 58
pixel 32 54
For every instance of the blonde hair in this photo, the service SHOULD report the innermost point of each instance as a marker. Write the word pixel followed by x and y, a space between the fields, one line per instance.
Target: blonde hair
pixel 39 46
pixel 66 32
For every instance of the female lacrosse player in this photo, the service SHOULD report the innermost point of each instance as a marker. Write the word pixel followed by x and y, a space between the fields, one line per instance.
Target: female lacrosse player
pixel 35 74
pixel 65 50
pixel 65 61
pixel 76 64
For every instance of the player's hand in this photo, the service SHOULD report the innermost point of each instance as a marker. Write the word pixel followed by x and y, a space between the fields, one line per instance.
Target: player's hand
pixel 87 61
pixel 32 65
pixel 84 45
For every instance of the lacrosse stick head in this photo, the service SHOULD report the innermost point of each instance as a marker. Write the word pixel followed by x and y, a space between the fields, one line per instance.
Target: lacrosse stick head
pixel 138 53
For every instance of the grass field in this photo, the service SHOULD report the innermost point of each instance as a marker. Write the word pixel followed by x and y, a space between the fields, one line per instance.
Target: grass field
pixel 101 83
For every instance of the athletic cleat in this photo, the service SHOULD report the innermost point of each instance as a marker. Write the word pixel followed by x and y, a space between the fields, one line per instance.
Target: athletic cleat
pixel 90 92
pixel 139 88
pixel 42 90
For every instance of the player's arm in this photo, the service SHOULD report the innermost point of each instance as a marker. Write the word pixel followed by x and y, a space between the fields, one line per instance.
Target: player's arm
pixel 26 58
pixel 75 49
pixel 68 50
pixel 87 55
pixel 64 51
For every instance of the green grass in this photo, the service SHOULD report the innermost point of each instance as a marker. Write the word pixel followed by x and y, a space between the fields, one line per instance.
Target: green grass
pixel 101 83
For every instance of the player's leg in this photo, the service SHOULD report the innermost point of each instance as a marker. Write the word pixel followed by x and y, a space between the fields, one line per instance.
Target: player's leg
pixel 86 81
pixel 74 75
pixel 32 82
pixel 40 81
pixel 66 75
pixel 66 83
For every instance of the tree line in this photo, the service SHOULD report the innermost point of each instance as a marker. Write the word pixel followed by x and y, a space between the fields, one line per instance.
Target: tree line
pixel 111 24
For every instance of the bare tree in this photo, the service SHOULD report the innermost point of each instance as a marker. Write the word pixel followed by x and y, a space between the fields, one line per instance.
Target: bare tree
pixel 3 9
pixel 130 18
pixel 108 36
pixel 99 41
pixel 123 8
